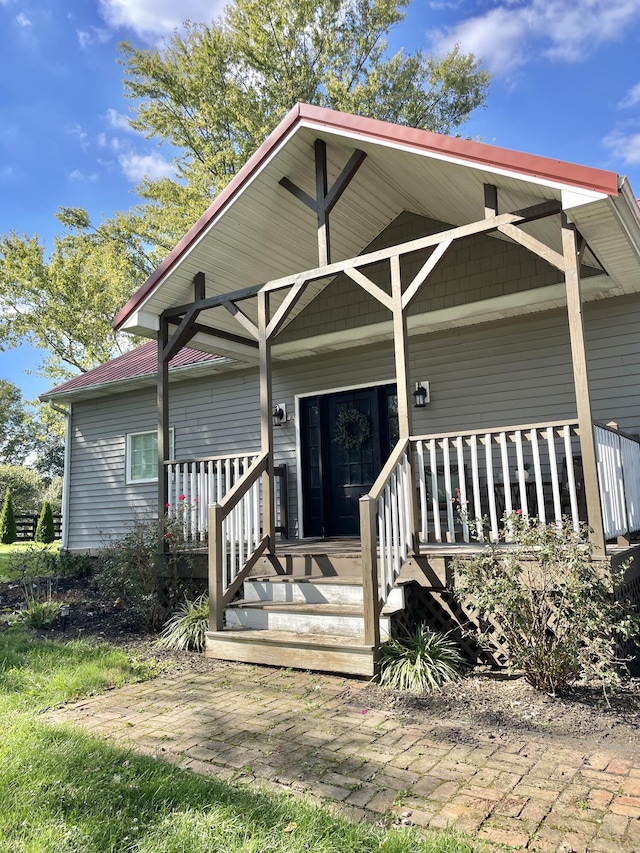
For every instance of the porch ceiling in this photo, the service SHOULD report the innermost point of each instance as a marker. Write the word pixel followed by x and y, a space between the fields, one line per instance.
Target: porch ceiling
pixel 264 232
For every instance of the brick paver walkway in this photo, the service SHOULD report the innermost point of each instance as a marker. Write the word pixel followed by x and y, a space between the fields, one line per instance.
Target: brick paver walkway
pixel 296 731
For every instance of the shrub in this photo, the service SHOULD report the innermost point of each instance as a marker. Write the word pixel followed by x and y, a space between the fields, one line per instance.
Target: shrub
pixel 186 629
pixel 137 570
pixel 45 531
pixel 8 529
pixel 555 607
pixel 422 662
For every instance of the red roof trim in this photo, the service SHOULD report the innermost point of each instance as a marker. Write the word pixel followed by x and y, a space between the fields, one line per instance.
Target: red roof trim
pixel 477 153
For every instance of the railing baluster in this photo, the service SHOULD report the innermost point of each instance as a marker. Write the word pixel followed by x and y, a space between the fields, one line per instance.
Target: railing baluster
pixel 422 491
pixel 475 477
pixel 571 480
pixel 462 485
pixel 448 493
pixel 524 505
pixel 537 473
pixel 491 489
pixel 433 464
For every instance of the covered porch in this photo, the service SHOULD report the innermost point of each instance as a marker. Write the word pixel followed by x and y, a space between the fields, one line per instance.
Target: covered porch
pixel 430 490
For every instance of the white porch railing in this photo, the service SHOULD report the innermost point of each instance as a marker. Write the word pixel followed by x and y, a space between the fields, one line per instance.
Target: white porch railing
pixel 618 458
pixel 193 484
pixel 196 483
pixel 465 478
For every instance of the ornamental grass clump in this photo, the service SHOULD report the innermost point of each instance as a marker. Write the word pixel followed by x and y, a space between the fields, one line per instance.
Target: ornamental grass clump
pixel 186 630
pixel 558 612
pixel 421 662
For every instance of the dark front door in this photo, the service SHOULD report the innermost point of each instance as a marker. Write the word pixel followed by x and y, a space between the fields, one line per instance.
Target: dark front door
pixel 346 439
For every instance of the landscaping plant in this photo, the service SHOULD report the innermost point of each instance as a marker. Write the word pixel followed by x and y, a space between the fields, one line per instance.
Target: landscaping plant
pixel 45 531
pixel 422 662
pixel 8 529
pixel 554 606
pixel 187 628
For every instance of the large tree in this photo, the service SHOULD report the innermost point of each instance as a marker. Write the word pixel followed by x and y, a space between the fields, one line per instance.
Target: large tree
pixel 211 95
pixel 214 92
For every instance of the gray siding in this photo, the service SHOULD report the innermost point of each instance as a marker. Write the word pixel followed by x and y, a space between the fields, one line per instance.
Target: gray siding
pixel 514 371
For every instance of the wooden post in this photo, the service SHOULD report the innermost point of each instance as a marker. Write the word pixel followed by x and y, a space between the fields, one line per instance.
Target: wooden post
pixel 403 386
pixel 581 383
pixel 163 421
pixel 266 419
pixel 370 592
pixel 216 565
pixel 322 188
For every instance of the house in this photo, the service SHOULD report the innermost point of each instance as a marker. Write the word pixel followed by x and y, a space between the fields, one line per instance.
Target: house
pixel 370 327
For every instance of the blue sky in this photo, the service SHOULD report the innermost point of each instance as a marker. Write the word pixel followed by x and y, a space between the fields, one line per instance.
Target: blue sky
pixel 566 85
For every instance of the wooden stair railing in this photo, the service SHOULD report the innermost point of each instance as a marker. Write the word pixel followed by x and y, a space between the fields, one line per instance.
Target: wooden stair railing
pixel 235 539
pixel 387 534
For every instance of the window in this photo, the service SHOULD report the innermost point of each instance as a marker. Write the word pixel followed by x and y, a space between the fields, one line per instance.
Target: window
pixel 142 456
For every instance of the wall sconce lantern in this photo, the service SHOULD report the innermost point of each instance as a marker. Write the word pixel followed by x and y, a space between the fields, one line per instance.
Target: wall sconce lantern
pixel 421 395
pixel 279 414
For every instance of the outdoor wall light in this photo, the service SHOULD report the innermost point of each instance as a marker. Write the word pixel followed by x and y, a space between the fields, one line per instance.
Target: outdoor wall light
pixel 279 414
pixel 421 395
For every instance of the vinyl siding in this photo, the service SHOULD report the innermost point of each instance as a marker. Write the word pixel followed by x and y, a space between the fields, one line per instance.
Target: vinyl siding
pixel 507 372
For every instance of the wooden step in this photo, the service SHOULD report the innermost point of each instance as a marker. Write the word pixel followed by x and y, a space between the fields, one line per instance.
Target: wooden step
pixel 343 620
pixel 284 648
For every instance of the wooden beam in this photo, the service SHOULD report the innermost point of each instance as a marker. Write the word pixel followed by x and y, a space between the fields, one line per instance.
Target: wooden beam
pixel 581 383
pixel 162 398
pixel 199 287
pixel 241 317
pixel 201 328
pixel 286 307
pixel 182 335
pixel 536 246
pixel 344 179
pixel 425 271
pixel 371 288
pixel 490 201
pixel 266 420
pixel 301 195
pixel 370 580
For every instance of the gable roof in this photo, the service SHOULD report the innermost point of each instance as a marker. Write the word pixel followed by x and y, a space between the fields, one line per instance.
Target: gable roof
pixel 133 367
pixel 256 231
pixel 439 146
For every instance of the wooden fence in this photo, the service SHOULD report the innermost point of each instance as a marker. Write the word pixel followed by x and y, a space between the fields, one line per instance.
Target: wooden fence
pixel 26 524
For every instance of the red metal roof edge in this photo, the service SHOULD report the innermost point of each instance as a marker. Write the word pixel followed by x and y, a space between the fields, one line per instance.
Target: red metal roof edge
pixel 135 364
pixel 470 151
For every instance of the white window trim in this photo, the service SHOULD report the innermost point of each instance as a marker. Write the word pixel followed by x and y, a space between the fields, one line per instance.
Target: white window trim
pixel 128 478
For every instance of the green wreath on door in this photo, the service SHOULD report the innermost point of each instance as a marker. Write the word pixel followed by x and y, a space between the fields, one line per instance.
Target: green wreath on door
pixel 352 429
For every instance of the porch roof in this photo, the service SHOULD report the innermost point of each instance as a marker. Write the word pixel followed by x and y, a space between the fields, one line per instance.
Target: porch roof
pixel 256 231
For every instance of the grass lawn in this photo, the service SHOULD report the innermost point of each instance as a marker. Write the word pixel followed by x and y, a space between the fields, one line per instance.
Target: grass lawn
pixel 64 791
pixel 8 554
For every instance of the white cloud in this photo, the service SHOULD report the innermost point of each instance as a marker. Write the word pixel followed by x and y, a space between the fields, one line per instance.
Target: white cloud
pixel 624 144
pixel 516 32
pixel 118 120
pixel 631 98
pixel 135 167
pixel 80 134
pixel 151 19
pixel 78 175
pixel 23 20
pixel 95 35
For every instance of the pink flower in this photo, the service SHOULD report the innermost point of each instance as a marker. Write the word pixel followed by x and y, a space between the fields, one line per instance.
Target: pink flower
pixel 181 497
pixel 166 506
pixel 195 500
pixel 364 711
pixel 168 535
pixel 519 511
